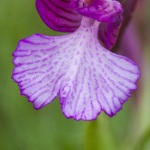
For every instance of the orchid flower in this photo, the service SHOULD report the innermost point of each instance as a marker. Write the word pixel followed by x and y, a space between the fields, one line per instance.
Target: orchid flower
pixel 76 67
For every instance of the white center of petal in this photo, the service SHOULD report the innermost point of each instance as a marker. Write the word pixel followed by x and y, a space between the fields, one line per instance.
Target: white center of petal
pixel 81 39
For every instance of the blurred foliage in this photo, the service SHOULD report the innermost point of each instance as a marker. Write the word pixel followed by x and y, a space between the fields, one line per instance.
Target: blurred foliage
pixel 23 128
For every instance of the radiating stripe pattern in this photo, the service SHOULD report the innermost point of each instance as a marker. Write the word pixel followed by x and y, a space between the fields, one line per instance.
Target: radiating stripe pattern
pixel 87 78
pixel 58 15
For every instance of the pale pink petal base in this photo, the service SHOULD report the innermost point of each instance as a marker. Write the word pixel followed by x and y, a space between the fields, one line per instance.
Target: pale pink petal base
pixel 87 78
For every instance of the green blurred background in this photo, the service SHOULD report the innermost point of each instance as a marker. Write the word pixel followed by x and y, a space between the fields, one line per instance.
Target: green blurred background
pixel 23 128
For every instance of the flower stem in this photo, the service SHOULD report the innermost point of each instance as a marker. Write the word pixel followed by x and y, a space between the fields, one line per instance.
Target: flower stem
pixel 93 139
pixel 143 140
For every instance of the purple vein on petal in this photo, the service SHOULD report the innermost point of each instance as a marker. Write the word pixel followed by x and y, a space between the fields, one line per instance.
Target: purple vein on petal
pixel 58 16
pixel 84 75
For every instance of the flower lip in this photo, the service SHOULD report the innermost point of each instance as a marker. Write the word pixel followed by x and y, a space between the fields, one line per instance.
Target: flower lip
pixel 87 78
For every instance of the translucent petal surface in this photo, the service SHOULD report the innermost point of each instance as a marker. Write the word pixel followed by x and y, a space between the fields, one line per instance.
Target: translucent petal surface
pixel 58 15
pixel 87 78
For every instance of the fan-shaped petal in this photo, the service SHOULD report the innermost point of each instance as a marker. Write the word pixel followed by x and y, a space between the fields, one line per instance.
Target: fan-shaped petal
pixel 87 78
pixel 103 81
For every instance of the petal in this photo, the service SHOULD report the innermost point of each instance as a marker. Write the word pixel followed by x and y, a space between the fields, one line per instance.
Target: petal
pixel 58 15
pixel 108 31
pixel 101 10
pixel 87 78
pixel 98 81
pixel 40 66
